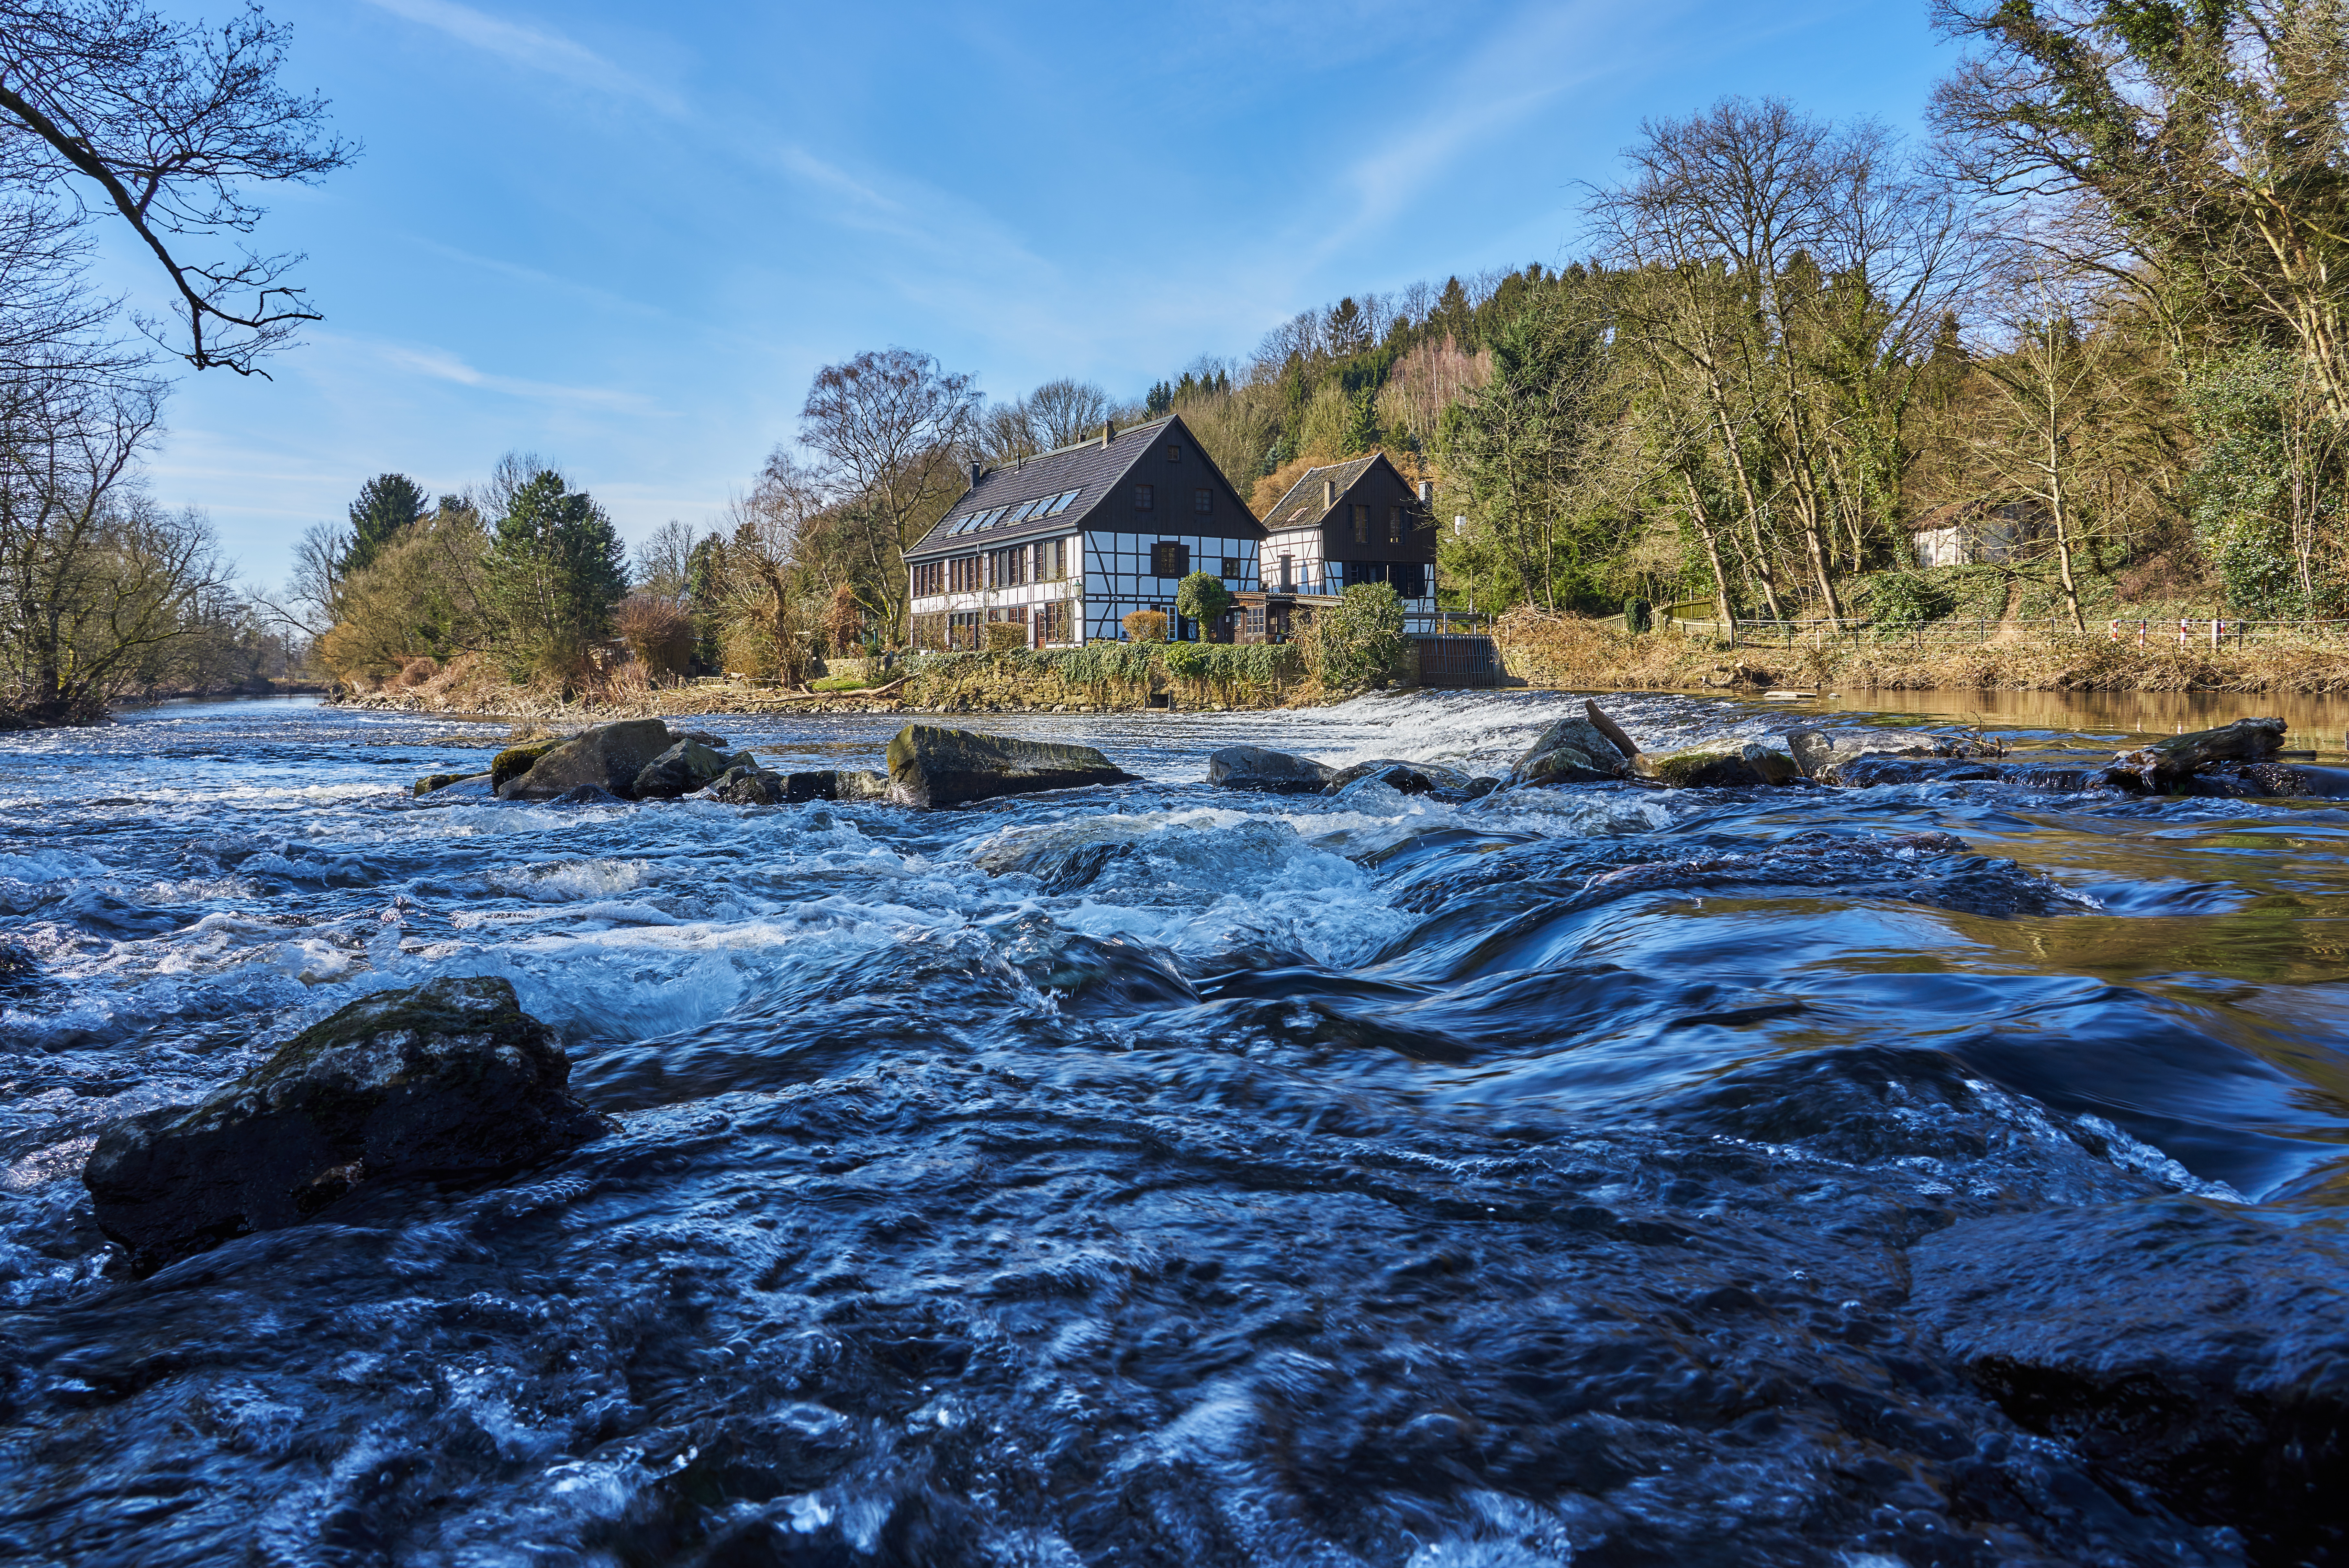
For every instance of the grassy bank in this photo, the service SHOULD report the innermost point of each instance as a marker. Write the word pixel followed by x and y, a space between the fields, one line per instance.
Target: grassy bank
pixel 1103 677
pixel 1569 652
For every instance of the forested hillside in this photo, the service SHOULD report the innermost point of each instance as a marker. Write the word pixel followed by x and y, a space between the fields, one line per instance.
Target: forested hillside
pixel 2085 341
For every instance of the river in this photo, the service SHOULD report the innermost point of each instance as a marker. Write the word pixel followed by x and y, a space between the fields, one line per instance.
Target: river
pixel 1943 1174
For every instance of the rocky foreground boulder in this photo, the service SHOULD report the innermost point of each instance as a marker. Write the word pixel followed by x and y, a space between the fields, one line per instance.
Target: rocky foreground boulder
pixel 929 766
pixel 2176 1346
pixel 1266 770
pixel 448 1080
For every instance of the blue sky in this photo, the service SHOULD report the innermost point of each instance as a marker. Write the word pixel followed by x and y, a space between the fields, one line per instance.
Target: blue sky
pixel 625 237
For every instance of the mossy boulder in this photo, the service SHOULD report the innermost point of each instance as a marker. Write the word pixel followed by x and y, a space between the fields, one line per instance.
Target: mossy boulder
pixel 430 782
pixel 516 761
pixel 450 1079
pixel 1717 766
pixel 929 766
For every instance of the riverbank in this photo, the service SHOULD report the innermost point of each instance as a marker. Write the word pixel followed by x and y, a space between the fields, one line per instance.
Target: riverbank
pixel 1108 678
pixel 1571 653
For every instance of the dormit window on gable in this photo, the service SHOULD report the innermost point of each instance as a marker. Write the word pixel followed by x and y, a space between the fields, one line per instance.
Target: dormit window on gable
pixel 1144 498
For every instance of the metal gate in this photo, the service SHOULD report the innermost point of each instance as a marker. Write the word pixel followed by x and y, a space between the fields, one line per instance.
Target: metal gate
pixel 1452 660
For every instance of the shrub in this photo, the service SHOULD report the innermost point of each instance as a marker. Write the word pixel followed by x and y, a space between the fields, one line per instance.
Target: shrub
pixel 1900 602
pixel 1203 596
pixel 659 634
pixel 1145 626
pixel 1006 637
pixel 1358 642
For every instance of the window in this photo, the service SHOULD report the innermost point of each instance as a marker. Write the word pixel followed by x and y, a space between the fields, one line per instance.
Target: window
pixel 1008 568
pixel 1169 559
pixel 1173 452
pixel 1361 524
pixel 1203 501
pixel 1231 568
pixel 1394 525
pixel 1052 623
pixel 1287 574
pixel 1142 498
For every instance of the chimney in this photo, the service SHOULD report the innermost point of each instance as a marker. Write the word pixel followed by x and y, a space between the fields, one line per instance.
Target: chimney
pixel 1108 431
pixel 1426 491
pixel 974 477
pixel 1329 493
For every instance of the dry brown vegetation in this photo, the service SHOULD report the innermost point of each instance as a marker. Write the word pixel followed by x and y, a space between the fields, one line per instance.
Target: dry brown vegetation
pixel 1579 654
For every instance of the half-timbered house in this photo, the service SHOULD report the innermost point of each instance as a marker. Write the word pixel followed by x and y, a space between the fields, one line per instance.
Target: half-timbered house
pixel 1066 544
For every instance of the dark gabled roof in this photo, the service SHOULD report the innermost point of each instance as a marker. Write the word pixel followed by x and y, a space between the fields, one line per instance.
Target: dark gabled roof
pixel 1088 473
pixel 1302 506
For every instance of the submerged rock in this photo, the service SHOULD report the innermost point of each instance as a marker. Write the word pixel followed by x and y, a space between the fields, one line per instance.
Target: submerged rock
pixel 929 766
pixel 1403 778
pixel 2180 1349
pixel 431 784
pixel 1269 772
pixel 1820 753
pixel 748 786
pixel 2297 779
pixel 450 1079
pixel 2168 764
pixel 685 767
pixel 607 757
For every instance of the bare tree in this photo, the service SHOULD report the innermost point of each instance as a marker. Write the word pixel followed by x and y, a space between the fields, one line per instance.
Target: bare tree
pixel 664 562
pixel 1064 412
pixel 2197 152
pixel 93 575
pixel 168 126
pixel 1791 273
pixel 888 428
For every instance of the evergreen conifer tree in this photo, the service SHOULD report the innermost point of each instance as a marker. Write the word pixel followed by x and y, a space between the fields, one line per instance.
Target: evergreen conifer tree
pixel 386 503
pixel 556 570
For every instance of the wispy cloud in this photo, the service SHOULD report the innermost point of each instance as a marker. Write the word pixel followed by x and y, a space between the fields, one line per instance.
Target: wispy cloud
pixel 534 48
pixel 440 365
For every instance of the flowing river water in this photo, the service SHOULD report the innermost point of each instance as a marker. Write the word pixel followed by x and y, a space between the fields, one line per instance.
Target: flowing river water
pixel 1946 1173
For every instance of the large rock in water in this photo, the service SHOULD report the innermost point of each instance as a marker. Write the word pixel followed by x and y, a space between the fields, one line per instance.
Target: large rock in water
pixel 2168 764
pixel 685 767
pixel 1574 750
pixel 1819 752
pixel 1266 770
pixel 1719 766
pixel 608 757
pixel 929 766
pixel 450 1079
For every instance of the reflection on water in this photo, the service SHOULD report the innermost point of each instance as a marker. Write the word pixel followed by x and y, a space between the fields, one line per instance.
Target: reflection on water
pixel 2318 723
pixel 1160 1175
